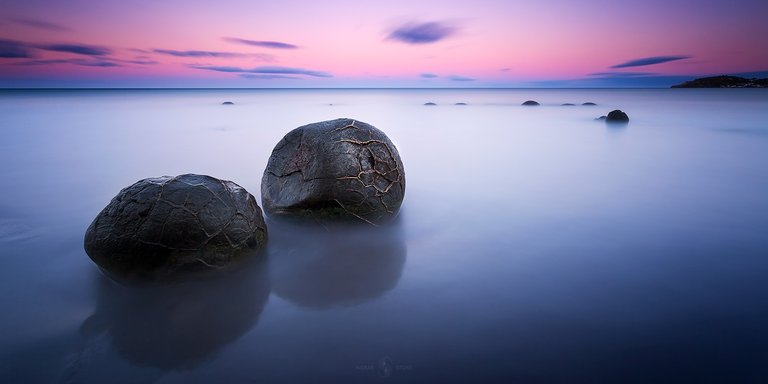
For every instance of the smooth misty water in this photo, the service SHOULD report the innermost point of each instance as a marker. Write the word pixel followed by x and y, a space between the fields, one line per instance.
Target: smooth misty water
pixel 534 244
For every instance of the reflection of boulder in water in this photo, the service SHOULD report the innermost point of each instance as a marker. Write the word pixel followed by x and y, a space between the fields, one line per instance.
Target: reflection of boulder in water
pixel 179 326
pixel 322 267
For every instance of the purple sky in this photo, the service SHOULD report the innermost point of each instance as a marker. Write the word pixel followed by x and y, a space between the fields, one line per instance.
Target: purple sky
pixel 337 43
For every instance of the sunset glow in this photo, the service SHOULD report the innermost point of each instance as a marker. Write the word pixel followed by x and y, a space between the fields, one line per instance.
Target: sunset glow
pixel 291 43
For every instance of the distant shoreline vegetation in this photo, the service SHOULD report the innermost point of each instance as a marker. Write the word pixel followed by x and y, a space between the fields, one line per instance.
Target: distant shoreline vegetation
pixel 724 82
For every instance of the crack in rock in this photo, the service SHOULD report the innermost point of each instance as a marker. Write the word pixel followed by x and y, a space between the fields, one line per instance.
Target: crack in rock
pixel 337 169
pixel 161 227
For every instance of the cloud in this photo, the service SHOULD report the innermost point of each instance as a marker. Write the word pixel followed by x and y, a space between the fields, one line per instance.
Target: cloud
pixel 40 24
pixel 81 62
pixel 422 33
pixel 460 78
pixel 265 70
pixel 176 53
pixel 140 61
pixel 621 74
pixel 14 49
pixel 266 77
pixel 43 62
pixel 614 80
pixel 79 49
pixel 650 61
pixel 428 75
pixel 260 43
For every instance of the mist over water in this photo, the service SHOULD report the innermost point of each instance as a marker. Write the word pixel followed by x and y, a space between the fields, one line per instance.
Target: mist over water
pixel 534 244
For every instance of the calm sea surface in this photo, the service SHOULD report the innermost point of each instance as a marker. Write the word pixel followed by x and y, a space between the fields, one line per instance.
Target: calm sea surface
pixel 534 243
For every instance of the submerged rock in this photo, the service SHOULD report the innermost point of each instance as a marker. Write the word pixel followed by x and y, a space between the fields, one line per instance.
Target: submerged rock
pixel 531 103
pixel 589 103
pixel 461 104
pixel 227 103
pixel 601 118
pixel 617 116
pixel 337 169
pixel 165 227
pixel 430 104
pixel 567 104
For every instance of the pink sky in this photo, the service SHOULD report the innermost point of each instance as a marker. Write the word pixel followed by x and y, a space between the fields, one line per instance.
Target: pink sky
pixel 481 43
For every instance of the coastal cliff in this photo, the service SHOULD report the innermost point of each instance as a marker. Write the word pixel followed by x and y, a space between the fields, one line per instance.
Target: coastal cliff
pixel 724 82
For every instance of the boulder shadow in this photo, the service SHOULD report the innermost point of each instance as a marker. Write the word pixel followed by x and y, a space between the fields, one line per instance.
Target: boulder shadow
pixel 182 325
pixel 341 265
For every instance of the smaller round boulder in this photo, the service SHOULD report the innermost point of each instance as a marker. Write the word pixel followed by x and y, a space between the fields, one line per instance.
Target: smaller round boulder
pixel 616 116
pixel 336 170
pixel 166 227
pixel 227 103
pixel 531 103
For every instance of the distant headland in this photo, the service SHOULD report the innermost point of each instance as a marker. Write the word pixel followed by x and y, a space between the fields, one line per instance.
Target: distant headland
pixel 724 82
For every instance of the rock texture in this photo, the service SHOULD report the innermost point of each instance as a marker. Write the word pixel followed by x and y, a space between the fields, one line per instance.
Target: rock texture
pixel 163 227
pixel 530 103
pixel 337 169
pixel 616 116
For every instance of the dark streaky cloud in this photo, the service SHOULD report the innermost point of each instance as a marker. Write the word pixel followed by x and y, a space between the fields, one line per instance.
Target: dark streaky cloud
pixel 460 78
pixel 41 24
pixel 176 53
pixel 79 49
pixel 14 49
pixel 650 61
pixel 266 77
pixel 622 74
pixel 422 33
pixel 81 62
pixel 265 70
pixel 260 43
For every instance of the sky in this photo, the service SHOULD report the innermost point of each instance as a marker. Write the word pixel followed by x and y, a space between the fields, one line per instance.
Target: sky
pixel 393 43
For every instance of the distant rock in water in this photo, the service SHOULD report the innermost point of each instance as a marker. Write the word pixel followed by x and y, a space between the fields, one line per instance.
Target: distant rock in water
pixel 617 116
pixel 589 103
pixel 724 82
pixel 461 104
pixel 227 103
pixel 531 103
pixel 335 170
pixel 567 104
pixel 166 227
pixel 601 118
pixel 430 103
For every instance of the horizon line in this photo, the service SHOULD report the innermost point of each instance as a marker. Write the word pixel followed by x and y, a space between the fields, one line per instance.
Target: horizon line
pixel 307 88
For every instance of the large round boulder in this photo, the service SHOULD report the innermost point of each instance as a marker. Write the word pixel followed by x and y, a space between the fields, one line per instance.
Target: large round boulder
pixel 337 169
pixel 166 227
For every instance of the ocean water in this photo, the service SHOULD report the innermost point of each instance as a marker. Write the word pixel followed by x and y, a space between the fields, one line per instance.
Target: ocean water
pixel 535 245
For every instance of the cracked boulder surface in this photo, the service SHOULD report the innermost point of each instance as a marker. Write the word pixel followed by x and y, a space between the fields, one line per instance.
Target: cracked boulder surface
pixel 339 169
pixel 166 227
